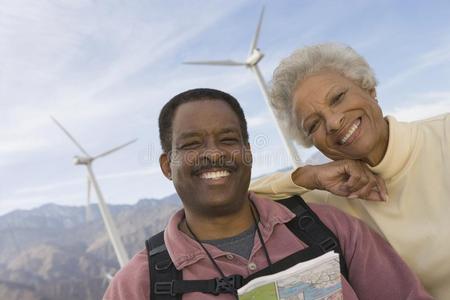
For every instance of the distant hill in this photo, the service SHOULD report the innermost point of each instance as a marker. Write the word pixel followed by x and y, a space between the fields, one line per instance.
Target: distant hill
pixel 52 253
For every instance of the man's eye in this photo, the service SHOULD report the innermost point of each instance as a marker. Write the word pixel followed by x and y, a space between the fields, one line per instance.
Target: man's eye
pixel 189 145
pixel 229 141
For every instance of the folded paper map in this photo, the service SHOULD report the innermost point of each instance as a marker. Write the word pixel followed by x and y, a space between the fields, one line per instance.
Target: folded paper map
pixel 319 278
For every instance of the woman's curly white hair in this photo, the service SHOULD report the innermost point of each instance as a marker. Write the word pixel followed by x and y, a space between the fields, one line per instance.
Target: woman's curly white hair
pixel 309 60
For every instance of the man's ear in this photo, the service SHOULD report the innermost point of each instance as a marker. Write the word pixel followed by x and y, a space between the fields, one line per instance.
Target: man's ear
pixel 248 157
pixel 164 163
pixel 373 94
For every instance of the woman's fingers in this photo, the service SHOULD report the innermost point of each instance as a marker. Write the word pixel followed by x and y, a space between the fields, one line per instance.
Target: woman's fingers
pixel 364 184
pixel 382 189
pixel 348 178
pixel 367 192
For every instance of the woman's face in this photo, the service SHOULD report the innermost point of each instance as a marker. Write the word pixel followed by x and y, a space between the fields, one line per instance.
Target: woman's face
pixel 342 119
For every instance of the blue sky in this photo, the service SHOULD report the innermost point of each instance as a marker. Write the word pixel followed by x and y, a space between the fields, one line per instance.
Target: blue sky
pixel 105 68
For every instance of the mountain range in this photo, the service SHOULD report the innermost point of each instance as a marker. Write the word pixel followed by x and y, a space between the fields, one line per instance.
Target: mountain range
pixel 54 253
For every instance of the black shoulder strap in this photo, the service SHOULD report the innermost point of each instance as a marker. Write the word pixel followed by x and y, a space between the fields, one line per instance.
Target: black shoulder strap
pixel 308 227
pixel 161 269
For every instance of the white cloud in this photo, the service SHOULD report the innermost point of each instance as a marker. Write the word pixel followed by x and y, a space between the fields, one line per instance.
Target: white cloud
pixel 49 187
pixel 259 120
pixel 21 145
pixel 77 182
pixel 437 56
pixel 7 205
pixel 435 103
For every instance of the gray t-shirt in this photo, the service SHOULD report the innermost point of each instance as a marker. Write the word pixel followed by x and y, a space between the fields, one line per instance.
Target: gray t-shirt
pixel 241 244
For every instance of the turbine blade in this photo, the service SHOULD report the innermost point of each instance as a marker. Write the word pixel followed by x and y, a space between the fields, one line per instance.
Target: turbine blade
pixel 227 62
pixel 69 135
pixel 88 206
pixel 254 43
pixel 115 149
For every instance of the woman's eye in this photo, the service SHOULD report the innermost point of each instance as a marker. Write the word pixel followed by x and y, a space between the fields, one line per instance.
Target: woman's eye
pixel 313 127
pixel 338 98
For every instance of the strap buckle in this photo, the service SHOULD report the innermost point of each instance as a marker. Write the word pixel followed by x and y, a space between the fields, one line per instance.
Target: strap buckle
pixel 228 284
pixel 328 244
pixel 164 288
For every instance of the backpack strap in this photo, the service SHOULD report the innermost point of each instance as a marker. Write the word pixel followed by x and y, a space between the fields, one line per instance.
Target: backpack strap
pixel 161 269
pixel 308 227
pixel 166 281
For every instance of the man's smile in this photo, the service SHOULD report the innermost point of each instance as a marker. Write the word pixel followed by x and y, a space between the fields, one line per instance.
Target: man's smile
pixel 214 175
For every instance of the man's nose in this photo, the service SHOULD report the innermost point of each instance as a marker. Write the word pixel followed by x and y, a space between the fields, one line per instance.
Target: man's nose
pixel 212 151
pixel 334 121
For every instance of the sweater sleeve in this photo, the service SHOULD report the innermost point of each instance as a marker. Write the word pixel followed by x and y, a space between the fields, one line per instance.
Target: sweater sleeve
pixel 376 271
pixel 276 186
pixel 132 282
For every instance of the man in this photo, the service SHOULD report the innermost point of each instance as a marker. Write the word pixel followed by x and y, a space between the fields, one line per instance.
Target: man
pixel 224 230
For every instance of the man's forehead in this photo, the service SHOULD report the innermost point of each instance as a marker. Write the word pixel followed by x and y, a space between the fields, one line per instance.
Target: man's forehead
pixel 205 115
pixel 201 111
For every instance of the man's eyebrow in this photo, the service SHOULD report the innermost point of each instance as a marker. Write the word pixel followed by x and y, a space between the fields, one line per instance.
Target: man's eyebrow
pixel 229 130
pixel 189 134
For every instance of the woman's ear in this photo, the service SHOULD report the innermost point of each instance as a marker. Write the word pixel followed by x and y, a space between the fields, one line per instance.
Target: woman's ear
pixel 164 163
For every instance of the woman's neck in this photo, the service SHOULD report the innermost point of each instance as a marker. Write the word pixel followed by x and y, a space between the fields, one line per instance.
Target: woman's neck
pixel 377 155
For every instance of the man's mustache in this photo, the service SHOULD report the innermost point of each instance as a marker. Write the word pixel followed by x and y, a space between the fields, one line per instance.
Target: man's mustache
pixel 208 164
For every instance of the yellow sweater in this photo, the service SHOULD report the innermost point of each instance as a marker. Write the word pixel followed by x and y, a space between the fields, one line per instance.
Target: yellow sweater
pixel 416 219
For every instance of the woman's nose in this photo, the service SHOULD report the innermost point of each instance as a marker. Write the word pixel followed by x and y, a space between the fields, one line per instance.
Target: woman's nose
pixel 334 121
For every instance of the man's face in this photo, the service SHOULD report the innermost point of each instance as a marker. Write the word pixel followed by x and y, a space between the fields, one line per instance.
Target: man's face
pixel 210 163
pixel 342 119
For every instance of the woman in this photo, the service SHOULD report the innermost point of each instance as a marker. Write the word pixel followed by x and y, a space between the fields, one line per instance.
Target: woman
pixel 326 95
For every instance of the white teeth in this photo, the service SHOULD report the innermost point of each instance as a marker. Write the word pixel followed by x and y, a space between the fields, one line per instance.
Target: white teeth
pixel 214 175
pixel 351 131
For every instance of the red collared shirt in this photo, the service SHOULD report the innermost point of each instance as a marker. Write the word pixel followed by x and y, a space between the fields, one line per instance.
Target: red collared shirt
pixel 375 270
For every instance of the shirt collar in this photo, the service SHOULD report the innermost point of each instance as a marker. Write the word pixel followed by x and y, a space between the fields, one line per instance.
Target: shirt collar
pixel 185 251
pixel 402 138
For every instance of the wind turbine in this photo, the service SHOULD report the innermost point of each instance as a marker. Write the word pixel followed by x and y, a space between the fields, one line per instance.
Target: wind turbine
pixel 251 62
pixel 111 228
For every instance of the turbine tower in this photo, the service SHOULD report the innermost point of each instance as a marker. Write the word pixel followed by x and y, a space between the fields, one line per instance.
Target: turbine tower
pixel 253 58
pixel 111 228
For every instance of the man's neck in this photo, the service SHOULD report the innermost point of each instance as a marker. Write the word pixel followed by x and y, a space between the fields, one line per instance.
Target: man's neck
pixel 218 227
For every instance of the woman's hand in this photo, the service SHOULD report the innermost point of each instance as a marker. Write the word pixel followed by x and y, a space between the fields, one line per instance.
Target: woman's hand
pixel 347 178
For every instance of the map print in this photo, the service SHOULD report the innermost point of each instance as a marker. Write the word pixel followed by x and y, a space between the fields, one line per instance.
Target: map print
pixel 316 279
pixel 322 282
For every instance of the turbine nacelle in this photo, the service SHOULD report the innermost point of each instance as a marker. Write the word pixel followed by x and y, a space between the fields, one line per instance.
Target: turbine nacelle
pixel 82 160
pixel 255 56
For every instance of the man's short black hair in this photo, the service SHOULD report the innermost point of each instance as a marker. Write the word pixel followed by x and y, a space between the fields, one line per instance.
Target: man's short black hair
pixel 168 112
